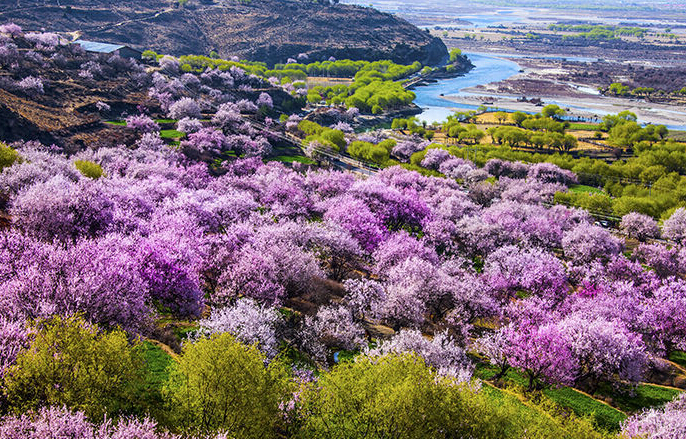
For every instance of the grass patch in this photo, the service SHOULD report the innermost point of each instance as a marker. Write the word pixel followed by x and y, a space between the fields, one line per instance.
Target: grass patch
pixel 539 408
pixel 166 120
pixel 584 126
pixel 294 358
pixel 606 417
pixel 158 362
pixel 678 357
pixel 644 396
pixel 344 355
pixel 119 123
pixel 581 188
pixel 292 158
pixel 171 134
pixel 487 371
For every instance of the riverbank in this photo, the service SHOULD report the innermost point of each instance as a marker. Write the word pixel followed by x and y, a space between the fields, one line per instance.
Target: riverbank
pixel 501 82
pixel 591 108
pixel 546 80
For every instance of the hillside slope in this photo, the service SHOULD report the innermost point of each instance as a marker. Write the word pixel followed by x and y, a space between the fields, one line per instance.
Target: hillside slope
pixel 263 30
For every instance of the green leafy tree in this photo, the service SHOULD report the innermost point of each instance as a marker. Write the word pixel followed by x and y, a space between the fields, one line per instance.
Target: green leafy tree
pixel 149 55
pixel 618 89
pixel 336 137
pixel 401 397
pixel 73 363
pixel 368 151
pixel 518 117
pixel 222 385
pixel 500 116
pixel 553 111
pixel 455 54
pixel 376 398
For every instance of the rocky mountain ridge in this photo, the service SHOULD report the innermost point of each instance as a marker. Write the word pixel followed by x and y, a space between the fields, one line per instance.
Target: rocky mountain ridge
pixel 270 31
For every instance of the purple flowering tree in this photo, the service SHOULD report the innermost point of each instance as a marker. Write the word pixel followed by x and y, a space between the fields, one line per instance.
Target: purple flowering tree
pixel 142 123
pixel 663 315
pixel 509 270
pixel 497 348
pixel 674 227
pixel 356 218
pixel 264 100
pixel 365 298
pixel 587 242
pixel 62 209
pixel 53 422
pixel 97 278
pixel 550 173
pixel 336 327
pixel 543 352
pixel 665 261
pixel 184 107
pixel 441 352
pixel 398 248
pixel 639 226
pixel 206 141
pixel 31 85
pixel 249 321
pixel 435 157
pixel 667 422
pixel 604 350
pixel 14 336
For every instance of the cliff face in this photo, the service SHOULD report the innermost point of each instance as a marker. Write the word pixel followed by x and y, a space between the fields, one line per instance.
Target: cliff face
pixel 262 30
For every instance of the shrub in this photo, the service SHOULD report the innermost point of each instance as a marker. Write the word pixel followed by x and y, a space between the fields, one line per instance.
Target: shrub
pixel 220 384
pixel 391 396
pixel 7 156
pixel 72 363
pixel 149 55
pixel 31 85
pixel 89 169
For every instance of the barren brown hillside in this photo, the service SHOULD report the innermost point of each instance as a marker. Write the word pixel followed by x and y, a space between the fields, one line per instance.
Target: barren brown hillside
pixel 262 30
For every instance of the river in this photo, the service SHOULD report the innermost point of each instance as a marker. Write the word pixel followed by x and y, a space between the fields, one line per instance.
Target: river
pixel 487 69
pixel 490 68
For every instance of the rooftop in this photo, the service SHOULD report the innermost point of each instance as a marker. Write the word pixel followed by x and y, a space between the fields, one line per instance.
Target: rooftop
pixel 94 46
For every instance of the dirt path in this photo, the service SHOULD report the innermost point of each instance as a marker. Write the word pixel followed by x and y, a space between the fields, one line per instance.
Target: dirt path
pixel 164 347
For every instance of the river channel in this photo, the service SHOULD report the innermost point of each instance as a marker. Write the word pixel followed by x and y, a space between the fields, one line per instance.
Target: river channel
pixel 486 69
pixel 490 68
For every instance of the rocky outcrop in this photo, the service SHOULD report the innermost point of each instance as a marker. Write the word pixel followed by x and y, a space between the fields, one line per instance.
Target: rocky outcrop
pixel 260 30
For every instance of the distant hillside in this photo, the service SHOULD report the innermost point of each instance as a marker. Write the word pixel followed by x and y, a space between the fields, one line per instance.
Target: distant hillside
pixel 261 30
